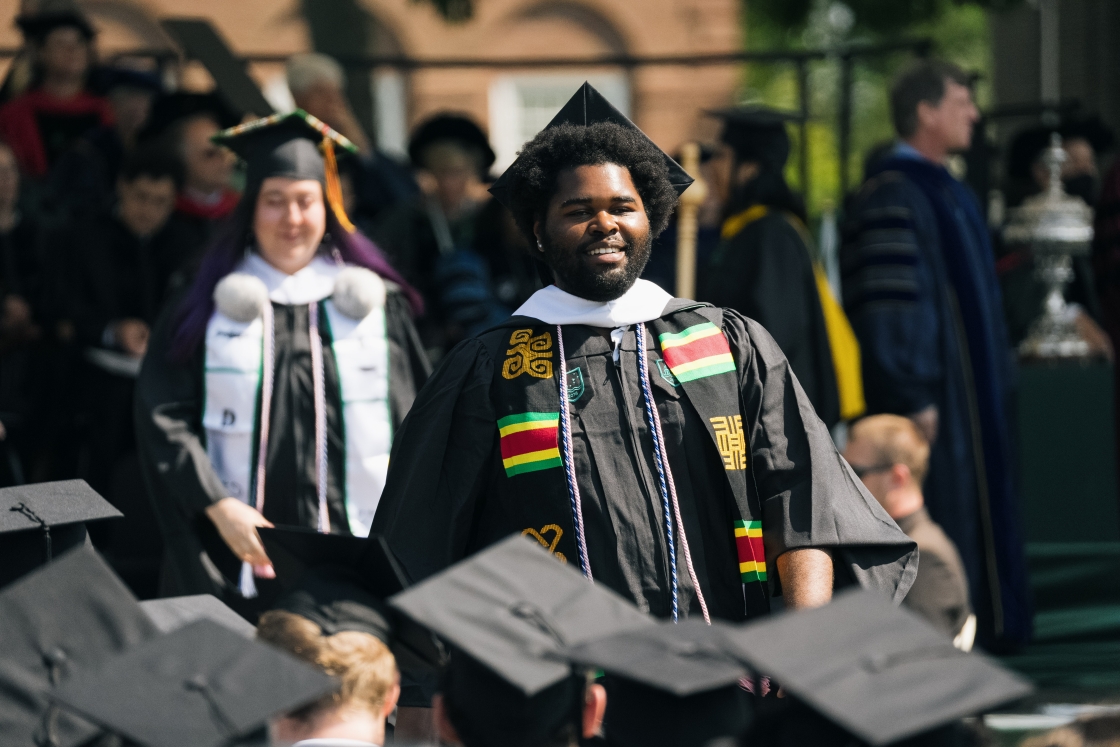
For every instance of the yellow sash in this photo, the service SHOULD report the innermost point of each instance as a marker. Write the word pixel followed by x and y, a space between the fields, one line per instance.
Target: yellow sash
pixel 841 339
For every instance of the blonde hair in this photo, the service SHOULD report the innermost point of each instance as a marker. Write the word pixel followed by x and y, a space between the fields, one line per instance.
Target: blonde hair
pixel 363 664
pixel 895 440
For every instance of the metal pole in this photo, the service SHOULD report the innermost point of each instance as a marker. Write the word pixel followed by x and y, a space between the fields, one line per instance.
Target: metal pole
pixel 803 155
pixel 687 228
pixel 1049 52
pixel 845 145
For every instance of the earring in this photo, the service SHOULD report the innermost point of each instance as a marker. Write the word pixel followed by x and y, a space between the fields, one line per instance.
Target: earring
pixel 540 246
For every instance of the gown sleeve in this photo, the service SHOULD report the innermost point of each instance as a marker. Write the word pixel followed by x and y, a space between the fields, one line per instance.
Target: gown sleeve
pixel 168 416
pixel 438 466
pixel 891 296
pixel 809 495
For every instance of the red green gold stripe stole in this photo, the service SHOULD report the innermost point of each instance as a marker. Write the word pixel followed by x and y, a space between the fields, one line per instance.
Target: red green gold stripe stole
pixel 697 352
pixel 529 442
pixel 752 554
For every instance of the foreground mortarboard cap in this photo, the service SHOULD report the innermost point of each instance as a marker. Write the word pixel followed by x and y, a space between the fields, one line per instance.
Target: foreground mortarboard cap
pixel 669 684
pixel 295 145
pixel 44 520
pixel 588 107
pixel 54 624
pixel 340 582
pixel 879 671
pixel 200 686
pixel 173 613
pixel 513 607
pixel 36 26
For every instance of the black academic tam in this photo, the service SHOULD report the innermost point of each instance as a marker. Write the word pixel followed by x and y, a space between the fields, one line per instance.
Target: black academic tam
pixel 201 686
pixel 56 623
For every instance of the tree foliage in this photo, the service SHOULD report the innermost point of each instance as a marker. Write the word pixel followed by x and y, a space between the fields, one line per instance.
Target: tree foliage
pixel 877 17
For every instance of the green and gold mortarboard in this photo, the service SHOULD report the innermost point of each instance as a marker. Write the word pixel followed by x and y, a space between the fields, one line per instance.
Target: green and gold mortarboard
pixel 296 145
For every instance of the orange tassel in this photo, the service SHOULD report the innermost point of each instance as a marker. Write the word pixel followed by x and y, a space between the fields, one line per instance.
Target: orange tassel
pixel 334 185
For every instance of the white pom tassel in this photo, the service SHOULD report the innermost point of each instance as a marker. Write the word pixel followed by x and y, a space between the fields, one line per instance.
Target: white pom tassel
pixel 241 297
pixel 358 291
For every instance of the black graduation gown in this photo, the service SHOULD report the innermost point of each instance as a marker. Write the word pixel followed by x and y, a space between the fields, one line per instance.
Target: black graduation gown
pixel 765 272
pixel 447 495
pixel 182 482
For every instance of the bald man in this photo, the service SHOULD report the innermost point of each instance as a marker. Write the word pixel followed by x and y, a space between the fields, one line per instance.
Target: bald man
pixel 891 456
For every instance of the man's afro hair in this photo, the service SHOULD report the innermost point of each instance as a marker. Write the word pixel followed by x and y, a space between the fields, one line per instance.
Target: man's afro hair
pixel 533 175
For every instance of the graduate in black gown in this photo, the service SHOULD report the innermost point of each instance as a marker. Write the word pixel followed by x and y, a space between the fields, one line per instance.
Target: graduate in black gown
pixel 764 268
pixel 660 445
pixel 271 389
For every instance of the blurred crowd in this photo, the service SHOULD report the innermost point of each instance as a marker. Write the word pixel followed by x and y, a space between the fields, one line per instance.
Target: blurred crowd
pixel 111 190
pixel 900 322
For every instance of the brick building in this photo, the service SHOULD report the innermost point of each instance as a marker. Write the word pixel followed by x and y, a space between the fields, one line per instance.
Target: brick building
pixel 513 102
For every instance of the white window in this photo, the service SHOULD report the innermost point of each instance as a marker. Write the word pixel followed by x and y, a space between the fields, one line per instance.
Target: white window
pixel 521 106
pixel 390 114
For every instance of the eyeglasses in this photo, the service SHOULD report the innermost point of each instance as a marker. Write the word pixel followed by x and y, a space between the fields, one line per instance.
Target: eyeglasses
pixel 861 471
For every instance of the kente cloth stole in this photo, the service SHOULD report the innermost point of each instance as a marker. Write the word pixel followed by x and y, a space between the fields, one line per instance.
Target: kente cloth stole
pixel 526 395
pixel 232 379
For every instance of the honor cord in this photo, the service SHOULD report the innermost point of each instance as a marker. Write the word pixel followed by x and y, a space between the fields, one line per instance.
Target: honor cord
pixel 320 396
pixel 666 509
pixel 569 460
pixel 668 472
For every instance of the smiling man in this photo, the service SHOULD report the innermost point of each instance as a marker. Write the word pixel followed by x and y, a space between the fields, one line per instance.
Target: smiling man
pixel 660 445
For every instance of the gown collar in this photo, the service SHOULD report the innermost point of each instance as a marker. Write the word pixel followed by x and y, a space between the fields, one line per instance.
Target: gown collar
pixel 313 283
pixel 644 302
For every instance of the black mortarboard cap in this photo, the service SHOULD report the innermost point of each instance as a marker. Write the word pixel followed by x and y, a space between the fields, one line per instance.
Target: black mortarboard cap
pixel 457 128
pixel 54 624
pixel 36 26
pixel 669 684
pixel 105 79
pixel 338 581
pixel 44 520
pixel 879 671
pixel 200 686
pixel 179 105
pixel 588 107
pixel 1091 128
pixel 750 116
pixel 681 659
pixel 514 608
pixel 171 613
pixel 296 145
pixel 756 132
pixel 283 145
pixel 334 599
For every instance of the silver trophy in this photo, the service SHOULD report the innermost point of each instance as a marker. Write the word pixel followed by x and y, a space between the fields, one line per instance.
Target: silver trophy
pixel 1058 227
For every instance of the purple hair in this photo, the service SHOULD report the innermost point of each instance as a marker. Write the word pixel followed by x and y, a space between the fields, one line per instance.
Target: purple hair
pixel 227 250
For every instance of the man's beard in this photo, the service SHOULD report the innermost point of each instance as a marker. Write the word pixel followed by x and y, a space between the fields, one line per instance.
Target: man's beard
pixel 580 279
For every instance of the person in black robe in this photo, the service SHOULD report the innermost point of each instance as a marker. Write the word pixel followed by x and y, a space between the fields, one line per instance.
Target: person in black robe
pixel 429 238
pixel 763 268
pixel 84 180
pixel 110 274
pixel 22 317
pixel 41 123
pixel 661 445
pixel 283 259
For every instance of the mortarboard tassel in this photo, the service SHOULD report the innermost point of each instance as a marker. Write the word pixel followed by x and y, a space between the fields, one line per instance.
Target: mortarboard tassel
pixel 334 185
pixel 48 549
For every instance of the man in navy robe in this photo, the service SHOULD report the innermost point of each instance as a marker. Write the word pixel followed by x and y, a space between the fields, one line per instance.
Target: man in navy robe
pixel 921 291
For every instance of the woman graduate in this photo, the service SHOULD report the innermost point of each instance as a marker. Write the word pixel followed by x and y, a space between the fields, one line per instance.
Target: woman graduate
pixel 271 390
